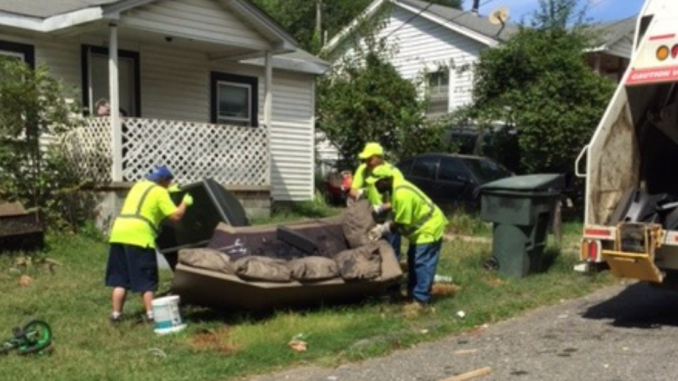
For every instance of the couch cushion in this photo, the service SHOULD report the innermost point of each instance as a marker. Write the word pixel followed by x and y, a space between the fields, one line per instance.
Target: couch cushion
pixel 357 220
pixel 209 259
pixel 313 268
pixel 260 268
pixel 360 263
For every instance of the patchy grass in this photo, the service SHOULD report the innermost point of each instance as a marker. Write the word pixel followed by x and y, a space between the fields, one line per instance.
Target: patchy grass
pixel 220 346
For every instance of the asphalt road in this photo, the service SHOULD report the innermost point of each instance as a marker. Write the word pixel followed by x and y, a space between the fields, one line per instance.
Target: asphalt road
pixel 620 333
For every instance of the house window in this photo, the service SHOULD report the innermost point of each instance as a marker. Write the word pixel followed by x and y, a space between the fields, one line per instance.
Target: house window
pixel 22 52
pixel 234 99
pixel 438 82
pixel 95 81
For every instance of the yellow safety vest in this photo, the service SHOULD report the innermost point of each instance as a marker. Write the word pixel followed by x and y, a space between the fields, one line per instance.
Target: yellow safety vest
pixel 420 219
pixel 371 192
pixel 146 205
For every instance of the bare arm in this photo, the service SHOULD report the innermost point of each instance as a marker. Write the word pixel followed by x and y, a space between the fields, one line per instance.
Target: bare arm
pixel 179 214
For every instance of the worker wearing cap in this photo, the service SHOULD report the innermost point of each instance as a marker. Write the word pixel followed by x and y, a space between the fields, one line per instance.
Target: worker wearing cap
pixel 372 156
pixel 132 263
pixel 420 221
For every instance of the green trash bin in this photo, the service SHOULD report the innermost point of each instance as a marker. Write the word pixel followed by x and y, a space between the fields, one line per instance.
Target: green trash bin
pixel 521 209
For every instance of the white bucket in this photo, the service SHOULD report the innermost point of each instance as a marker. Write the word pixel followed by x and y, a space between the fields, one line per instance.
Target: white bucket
pixel 166 315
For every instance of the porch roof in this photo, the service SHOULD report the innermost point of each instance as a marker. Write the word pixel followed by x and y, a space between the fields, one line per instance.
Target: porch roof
pixel 56 15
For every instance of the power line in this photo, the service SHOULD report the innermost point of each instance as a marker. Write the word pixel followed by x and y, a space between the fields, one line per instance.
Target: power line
pixel 409 20
pixel 463 13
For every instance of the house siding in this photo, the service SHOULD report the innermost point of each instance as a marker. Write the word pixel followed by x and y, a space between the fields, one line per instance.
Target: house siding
pixel 175 86
pixel 622 48
pixel 202 20
pixel 423 45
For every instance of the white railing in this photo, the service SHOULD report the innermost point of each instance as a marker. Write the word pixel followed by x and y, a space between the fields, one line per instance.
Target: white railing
pixel 232 155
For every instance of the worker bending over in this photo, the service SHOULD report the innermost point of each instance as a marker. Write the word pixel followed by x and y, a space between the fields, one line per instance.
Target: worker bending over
pixel 420 221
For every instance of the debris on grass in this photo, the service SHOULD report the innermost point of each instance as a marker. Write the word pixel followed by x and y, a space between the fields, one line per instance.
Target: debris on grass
pixel 25 280
pixel 442 290
pixel 216 340
pixel 297 344
pixel 461 314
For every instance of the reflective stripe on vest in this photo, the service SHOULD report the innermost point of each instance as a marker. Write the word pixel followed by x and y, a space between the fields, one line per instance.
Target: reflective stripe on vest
pixel 418 224
pixel 137 215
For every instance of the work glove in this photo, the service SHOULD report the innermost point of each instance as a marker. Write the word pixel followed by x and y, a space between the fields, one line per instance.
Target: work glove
pixel 379 231
pixel 187 200
pixel 174 188
pixel 379 209
pixel 360 195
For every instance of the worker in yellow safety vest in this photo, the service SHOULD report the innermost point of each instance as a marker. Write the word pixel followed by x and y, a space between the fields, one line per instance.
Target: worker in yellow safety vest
pixel 132 263
pixel 372 156
pixel 420 221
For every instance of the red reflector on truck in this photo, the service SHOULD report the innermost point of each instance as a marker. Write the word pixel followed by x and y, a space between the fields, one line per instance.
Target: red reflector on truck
pixel 662 37
pixel 598 232
pixel 593 251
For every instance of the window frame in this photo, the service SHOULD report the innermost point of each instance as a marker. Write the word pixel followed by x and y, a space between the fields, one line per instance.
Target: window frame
pixel 462 169
pixel 434 173
pixel 84 74
pixel 217 78
pixel 24 51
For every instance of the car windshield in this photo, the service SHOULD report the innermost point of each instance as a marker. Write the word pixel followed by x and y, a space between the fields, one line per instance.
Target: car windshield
pixel 486 170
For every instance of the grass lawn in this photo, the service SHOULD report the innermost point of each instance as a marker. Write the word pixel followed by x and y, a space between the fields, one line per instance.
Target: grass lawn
pixel 220 346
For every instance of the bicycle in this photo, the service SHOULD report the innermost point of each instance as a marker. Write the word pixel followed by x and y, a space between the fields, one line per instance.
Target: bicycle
pixel 35 337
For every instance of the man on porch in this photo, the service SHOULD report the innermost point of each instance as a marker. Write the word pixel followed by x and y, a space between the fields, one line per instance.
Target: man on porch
pixel 132 263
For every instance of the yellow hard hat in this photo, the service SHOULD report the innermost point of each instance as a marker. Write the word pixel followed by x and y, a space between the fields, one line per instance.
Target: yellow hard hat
pixel 371 149
pixel 379 172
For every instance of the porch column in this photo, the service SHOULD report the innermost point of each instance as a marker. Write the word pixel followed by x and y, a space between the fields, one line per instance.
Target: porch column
pixel 114 99
pixel 268 108
pixel 268 97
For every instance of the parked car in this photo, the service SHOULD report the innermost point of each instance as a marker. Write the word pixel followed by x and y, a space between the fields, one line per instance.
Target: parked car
pixel 450 180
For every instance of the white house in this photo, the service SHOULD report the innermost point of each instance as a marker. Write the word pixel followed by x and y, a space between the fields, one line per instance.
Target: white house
pixel 211 88
pixel 612 53
pixel 432 40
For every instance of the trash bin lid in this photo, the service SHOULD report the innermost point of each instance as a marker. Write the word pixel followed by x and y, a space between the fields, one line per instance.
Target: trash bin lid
pixel 527 183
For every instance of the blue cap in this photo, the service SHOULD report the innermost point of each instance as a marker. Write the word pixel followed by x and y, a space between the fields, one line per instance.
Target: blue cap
pixel 160 173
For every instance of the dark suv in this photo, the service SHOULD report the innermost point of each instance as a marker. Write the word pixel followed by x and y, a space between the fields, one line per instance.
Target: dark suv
pixel 452 180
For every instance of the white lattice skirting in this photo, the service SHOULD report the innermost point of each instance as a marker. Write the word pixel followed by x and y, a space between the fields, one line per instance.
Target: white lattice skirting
pixel 231 155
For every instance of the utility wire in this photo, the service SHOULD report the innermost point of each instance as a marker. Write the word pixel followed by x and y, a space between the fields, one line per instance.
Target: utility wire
pixel 409 20
pixel 463 13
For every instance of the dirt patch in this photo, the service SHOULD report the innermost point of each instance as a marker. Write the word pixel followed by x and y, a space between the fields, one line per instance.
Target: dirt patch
pixel 444 290
pixel 214 340
pixel 493 282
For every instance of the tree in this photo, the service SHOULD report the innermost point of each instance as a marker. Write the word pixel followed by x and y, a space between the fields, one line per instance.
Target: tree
pixel 538 85
pixel 32 110
pixel 365 99
pixel 298 17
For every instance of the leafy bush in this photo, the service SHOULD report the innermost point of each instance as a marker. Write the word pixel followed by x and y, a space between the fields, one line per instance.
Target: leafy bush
pixel 33 169
pixel 539 86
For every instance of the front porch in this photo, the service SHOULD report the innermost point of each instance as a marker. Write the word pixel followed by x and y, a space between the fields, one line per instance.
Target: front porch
pixel 235 156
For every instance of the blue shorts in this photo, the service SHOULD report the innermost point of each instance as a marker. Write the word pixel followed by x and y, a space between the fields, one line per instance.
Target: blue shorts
pixel 132 268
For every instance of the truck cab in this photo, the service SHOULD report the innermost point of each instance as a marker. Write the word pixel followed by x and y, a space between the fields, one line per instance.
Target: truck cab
pixel 631 162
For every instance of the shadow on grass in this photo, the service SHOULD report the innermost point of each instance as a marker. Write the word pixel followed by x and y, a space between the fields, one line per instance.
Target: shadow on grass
pixel 197 313
pixel 638 306
pixel 549 258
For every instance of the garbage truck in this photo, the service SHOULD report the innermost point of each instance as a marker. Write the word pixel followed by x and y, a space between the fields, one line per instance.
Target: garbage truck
pixel 630 165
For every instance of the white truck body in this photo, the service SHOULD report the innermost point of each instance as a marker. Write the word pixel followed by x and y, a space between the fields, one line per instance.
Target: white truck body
pixel 634 150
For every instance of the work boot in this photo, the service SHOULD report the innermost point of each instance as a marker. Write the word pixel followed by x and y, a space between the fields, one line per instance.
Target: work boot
pixel 414 309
